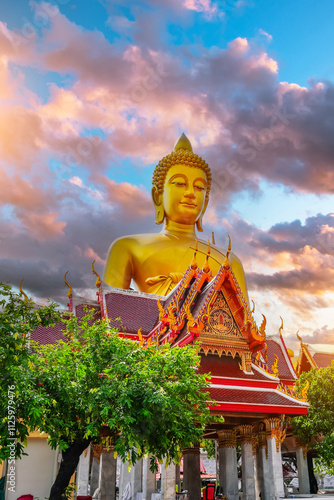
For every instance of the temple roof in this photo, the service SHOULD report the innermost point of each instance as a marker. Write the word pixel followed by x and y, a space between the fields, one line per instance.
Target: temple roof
pixel 323 359
pixel 285 366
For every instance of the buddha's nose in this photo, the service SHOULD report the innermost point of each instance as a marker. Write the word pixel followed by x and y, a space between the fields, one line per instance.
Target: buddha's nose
pixel 190 193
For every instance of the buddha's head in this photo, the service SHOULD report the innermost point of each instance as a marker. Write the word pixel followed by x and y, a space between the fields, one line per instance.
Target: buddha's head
pixel 181 186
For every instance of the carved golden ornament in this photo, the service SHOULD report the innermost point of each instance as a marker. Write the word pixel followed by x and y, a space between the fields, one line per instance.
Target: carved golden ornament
pixel 206 267
pixel 213 238
pixel 227 438
pixel 262 328
pixel 258 356
pixel 265 353
pixel 281 327
pixel 141 338
pixel 161 310
pixel 171 316
pixel 245 433
pixel 303 392
pixel 190 317
pixel 246 362
pixel 226 264
pixel 26 299
pixel 253 309
pixel 98 279
pixel 274 367
pixel 148 343
pixel 300 444
pixel 255 443
pixel 69 293
pixel 182 155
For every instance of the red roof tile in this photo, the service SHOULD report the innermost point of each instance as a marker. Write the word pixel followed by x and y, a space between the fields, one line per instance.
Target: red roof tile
pixel 259 397
pixel 135 312
pixel 226 366
pixel 48 334
pixel 323 359
pixel 285 371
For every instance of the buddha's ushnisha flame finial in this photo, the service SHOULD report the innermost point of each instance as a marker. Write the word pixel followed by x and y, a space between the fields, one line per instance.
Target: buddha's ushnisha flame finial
pixel 206 267
pixel 281 327
pixel 26 299
pixel 226 264
pixel 69 294
pixel 98 279
pixel 183 143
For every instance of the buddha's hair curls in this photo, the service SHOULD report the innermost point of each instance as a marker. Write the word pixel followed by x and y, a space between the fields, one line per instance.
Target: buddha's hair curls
pixel 183 157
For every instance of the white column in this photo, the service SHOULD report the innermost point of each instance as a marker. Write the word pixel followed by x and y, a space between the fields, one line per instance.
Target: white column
pixel 274 478
pixel 228 472
pixel 94 475
pixel 137 478
pixel 83 472
pixel 149 480
pixel 247 460
pixel 124 479
pixel 107 478
pixel 303 475
pixel 168 481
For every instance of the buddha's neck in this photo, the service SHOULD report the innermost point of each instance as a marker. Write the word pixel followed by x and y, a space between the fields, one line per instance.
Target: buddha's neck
pixel 179 230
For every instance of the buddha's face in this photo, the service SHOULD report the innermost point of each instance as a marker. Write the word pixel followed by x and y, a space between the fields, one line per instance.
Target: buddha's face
pixel 184 194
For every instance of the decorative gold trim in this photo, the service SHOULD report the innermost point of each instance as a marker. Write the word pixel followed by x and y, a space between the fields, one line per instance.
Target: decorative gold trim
pixel 98 279
pixel 227 438
pixel 26 299
pixel 245 433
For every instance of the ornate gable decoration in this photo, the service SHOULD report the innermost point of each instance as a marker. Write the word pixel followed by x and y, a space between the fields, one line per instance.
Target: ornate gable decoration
pixel 220 323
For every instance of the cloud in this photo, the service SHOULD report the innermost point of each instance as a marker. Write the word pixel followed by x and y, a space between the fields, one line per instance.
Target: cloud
pixel 323 335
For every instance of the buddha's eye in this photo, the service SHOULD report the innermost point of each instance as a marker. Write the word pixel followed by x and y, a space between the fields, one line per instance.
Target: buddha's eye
pixel 179 184
pixel 199 187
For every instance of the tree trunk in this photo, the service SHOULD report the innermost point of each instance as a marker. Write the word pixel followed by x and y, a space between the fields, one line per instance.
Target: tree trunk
pixel 69 462
pixel 313 480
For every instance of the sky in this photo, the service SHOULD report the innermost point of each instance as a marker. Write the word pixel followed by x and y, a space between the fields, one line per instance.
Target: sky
pixel 94 93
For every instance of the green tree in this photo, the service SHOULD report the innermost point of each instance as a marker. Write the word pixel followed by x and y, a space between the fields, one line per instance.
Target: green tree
pixel 151 400
pixel 316 428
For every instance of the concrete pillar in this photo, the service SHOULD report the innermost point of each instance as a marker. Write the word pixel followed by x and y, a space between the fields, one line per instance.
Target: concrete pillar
pixel 137 478
pixel 107 477
pixel 178 477
pixel 168 481
pixel 303 475
pixel 94 475
pixel 124 479
pixel 248 463
pixel 83 472
pixel 274 479
pixel 192 472
pixel 149 480
pixel 228 472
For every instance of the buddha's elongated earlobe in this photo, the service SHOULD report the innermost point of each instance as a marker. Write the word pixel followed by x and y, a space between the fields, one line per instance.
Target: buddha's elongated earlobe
pixel 158 206
pixel 199 224
pixel 200 219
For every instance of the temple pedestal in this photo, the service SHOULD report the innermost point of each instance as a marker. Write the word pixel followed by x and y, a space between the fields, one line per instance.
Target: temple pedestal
pixel 168 481
pixel 192 472
pixel 83 472
pixel 107 477
pixel 303 475
pixel 149 480
pixel 228 472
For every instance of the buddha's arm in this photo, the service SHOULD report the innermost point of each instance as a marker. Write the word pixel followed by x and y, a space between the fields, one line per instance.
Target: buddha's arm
pixel 118 270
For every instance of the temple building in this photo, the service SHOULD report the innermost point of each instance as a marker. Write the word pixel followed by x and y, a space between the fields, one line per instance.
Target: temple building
pixel 188 292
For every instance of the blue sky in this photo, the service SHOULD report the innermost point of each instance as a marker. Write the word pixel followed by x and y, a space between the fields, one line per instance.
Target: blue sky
pixel 94 93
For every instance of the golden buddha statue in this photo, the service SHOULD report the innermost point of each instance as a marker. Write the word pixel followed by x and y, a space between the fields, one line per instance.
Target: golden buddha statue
pixel 157 262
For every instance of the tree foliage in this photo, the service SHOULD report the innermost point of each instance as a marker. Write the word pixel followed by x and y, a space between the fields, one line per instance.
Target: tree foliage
pixel 149 400
pixel 316 428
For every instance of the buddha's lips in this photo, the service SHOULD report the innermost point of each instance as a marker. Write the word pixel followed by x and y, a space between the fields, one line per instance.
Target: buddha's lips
pixel 192 205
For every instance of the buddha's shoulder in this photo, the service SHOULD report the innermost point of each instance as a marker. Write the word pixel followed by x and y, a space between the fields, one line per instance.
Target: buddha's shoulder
pixel 135 241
